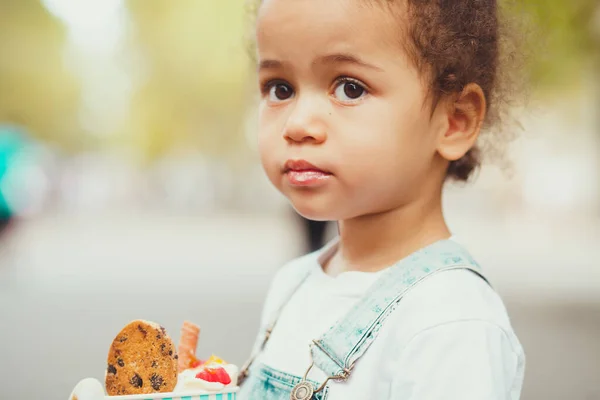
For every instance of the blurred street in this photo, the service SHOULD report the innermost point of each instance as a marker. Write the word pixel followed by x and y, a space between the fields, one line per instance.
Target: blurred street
pixel 68 283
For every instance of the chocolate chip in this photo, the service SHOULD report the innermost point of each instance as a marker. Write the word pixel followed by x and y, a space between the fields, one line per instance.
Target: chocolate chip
pixel 156 381
pixel 120 362
pixel 154 364
pixel 122 339
pixel 136 381
pixel 170 352
pixel 163 330
pixel 162 348
pixel 111 369
pixel 158 336
pixel 144 332
pixel 176 357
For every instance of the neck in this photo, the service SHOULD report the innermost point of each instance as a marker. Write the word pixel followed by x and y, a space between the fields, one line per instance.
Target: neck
pixel 373 242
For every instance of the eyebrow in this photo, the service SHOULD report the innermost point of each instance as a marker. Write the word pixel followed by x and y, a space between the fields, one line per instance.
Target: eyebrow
pixel 337 58
pixel 269 64
pixel 345 58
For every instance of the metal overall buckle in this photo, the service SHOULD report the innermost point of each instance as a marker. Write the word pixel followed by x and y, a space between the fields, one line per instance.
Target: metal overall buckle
pixel 304 390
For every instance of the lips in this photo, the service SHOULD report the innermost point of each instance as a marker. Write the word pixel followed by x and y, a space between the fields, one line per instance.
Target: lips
pixel 304 174
pixel 301 165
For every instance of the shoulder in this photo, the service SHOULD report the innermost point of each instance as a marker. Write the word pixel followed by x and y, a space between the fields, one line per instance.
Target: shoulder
pixel 457 297
pixel 455 327
pixel 467 359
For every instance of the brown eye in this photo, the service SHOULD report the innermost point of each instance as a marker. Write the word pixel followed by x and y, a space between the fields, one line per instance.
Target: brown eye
pixel 280 92
pixel 352 90
pixel 349 90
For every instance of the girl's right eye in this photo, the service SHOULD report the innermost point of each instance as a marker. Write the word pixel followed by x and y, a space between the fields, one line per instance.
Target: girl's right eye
pixel 279 91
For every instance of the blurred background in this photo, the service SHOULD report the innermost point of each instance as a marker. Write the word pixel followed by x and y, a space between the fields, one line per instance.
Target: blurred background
pixel 130 188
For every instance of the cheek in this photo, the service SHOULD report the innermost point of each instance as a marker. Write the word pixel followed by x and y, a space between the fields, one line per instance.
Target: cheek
pixel 268 142
pixel 270 123
pixel 264 127
pixel 266 151
pixel 391 143
pixel 390 129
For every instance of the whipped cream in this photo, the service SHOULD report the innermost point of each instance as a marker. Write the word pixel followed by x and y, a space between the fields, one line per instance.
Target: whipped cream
pixel 187 381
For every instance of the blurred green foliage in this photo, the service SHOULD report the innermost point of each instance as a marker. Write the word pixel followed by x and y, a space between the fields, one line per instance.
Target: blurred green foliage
pixel 563 39
pixel 36 89
pixel 195 94
pixel 193 74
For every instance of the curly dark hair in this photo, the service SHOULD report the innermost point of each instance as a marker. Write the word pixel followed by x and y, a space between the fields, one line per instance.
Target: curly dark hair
pixel 460 42
pixel 457 42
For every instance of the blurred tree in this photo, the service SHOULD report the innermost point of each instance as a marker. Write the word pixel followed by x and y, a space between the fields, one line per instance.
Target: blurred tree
pixel 36 90
pixel 566 42
pixel 193 75
pixel 192 71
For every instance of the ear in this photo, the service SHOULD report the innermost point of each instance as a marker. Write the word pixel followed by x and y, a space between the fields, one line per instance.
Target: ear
pixel 465 114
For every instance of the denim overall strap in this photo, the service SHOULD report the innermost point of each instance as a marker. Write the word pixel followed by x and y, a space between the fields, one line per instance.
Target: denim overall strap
pixel 338 349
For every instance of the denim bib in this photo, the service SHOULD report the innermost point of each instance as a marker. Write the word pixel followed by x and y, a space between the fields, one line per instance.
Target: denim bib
pixel 337 350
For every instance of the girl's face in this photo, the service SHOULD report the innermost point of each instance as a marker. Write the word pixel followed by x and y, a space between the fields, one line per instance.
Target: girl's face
pixel 345 129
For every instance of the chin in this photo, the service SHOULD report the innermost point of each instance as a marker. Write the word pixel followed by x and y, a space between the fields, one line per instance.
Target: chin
pixel 314 211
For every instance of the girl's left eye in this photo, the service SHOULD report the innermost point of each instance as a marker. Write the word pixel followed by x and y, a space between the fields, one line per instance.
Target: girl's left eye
pixel 349 90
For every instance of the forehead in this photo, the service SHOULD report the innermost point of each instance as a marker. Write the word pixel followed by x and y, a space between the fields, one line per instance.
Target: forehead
pixel 305 27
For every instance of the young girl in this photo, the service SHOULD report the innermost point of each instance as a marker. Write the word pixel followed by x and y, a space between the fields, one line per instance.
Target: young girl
pixel 367 108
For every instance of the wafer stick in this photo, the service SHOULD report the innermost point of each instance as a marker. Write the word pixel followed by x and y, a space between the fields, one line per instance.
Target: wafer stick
pixel 187 344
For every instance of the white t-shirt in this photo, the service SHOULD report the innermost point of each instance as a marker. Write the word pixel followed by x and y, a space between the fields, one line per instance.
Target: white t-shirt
pixel 449 337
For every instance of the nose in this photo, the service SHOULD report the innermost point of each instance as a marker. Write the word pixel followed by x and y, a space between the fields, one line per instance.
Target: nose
pixel 306 123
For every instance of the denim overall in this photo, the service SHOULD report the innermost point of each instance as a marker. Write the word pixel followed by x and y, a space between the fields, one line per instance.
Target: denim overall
pixel 337 351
